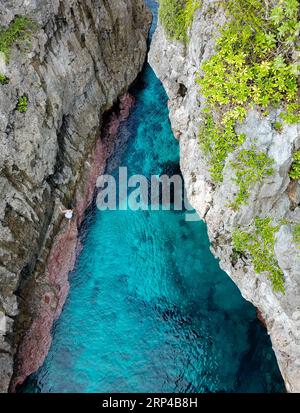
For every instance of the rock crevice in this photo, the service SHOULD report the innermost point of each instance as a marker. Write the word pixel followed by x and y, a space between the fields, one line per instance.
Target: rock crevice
pixel 81 57
pixel 276 196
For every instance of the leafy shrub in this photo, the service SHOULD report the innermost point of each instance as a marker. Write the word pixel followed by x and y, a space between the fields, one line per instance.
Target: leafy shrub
pixel 278 126
pixel 295 169
pixel 18 31
pixel 176 17
pixel 251 167
pixel 258 241
pixel 217 141
pixel 291 114
pixel 22 104
pixel 3 79
pixel 253 65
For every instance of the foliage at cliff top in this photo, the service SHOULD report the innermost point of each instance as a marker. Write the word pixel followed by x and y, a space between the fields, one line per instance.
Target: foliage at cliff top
pixel 176 17
pixel 258 240
pixel 253 65
pixel 18 31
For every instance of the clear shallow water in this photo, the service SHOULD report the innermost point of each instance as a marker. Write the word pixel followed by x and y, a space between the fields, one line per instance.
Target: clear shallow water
pixel 149 309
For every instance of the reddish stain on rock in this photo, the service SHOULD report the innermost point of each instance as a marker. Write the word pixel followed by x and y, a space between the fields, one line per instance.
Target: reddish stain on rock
pixel 126 103
pixel 61 261
pixel 261 318
pixel 47 299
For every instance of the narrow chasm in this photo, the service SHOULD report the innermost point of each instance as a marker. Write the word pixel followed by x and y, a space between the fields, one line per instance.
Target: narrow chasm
pixel 149 309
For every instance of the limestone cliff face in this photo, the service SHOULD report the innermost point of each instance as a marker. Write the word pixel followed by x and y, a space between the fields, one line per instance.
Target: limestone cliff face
pixel 277 197
pixel 82 57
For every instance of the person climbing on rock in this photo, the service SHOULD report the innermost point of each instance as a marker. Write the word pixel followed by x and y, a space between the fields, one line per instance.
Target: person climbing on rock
pixel 68 215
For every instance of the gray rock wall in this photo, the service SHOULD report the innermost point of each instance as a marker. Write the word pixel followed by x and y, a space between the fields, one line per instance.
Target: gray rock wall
pixel 275 197
pixel 82 57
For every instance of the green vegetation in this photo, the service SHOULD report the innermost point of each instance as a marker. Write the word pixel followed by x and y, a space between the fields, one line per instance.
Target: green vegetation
pixel 259 241
pixel 296 235
pixel 22 104
pixel 3 79
pixel 251 167
pixel 19 30
pixel 278 126
pixel 292 113
pixel 253 65
pixel 295 169
pixel 284 221
pixel 176 17
pixel 218 141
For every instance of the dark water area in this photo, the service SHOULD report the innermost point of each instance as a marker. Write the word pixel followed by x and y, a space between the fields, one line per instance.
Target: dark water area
pixel 149 309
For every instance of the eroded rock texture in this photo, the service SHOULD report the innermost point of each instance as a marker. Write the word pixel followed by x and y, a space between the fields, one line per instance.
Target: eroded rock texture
pixel 277 197
pixel 81 58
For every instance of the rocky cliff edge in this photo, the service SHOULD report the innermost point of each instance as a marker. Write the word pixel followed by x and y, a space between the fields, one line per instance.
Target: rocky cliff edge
pixel 275 197
pixel 63 65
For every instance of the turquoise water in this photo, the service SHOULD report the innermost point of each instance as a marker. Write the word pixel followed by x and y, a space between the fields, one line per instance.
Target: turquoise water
pixel 149 309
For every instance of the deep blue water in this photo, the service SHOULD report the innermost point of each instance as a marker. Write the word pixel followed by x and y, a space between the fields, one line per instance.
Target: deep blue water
pixel 149 309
